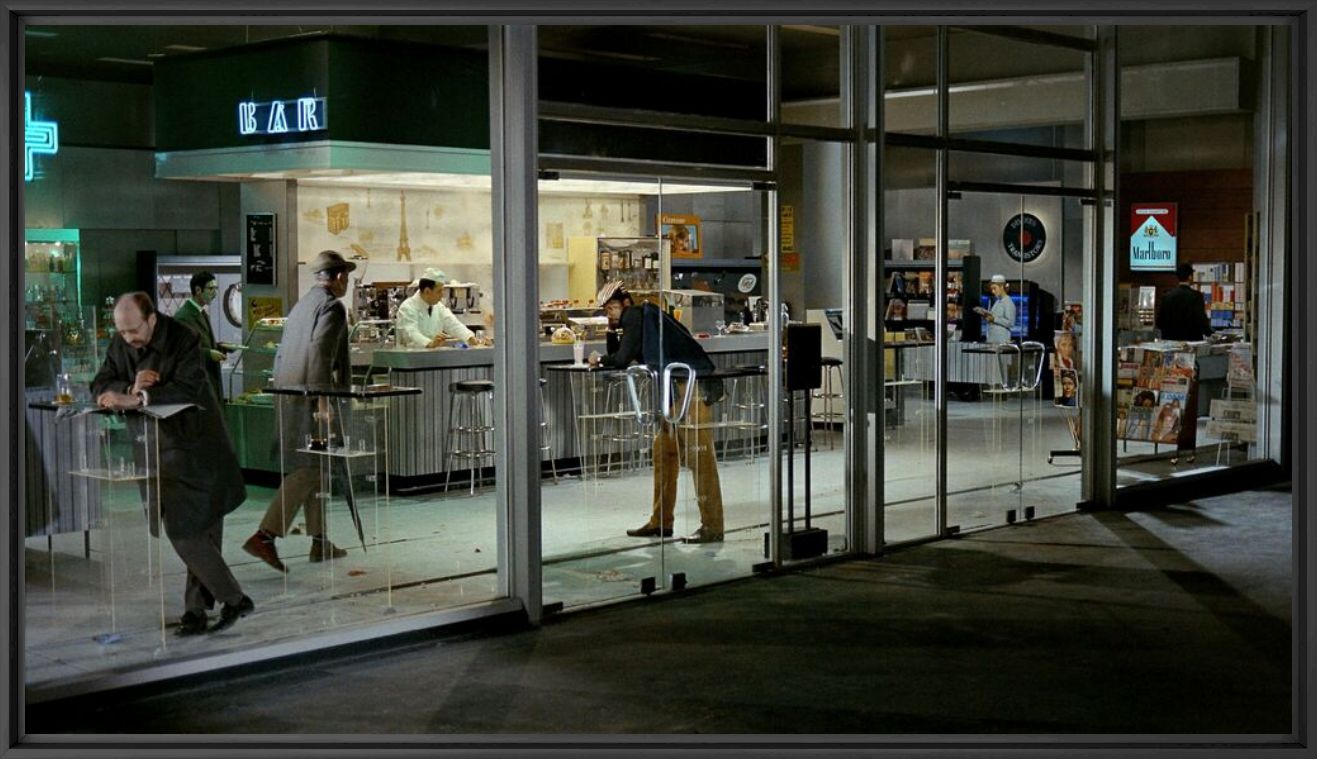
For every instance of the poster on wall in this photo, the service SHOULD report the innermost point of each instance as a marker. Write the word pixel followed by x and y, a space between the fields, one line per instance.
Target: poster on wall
pixel 1154 230
pixel 787 238
pixel 259 256
pixel 683 232
pixel 263 307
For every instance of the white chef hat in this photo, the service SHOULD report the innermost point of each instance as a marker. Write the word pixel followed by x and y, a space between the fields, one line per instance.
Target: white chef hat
pixel 998 279
pixel 434 275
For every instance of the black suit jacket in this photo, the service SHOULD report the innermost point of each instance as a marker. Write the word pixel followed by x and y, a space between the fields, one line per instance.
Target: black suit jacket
pixel 191 315
pixel 200 480
pixel 1182 316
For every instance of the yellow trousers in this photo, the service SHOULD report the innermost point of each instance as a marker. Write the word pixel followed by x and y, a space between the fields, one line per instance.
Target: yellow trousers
pixel 694 447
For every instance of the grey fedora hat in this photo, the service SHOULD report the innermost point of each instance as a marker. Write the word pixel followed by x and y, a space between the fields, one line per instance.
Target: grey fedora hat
pixel 330 259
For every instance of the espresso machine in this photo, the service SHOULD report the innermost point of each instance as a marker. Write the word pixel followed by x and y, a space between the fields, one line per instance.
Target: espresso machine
pixel 462 297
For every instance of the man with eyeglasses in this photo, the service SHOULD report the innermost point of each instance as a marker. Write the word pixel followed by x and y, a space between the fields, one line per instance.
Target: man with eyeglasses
pixel 193 315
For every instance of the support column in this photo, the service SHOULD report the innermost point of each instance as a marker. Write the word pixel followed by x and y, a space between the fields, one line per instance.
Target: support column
pixel 513 89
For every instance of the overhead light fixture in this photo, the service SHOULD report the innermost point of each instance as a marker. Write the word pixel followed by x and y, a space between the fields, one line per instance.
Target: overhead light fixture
pixel 184 48
pixel 130 61
pixel 39 33
pixel 561 186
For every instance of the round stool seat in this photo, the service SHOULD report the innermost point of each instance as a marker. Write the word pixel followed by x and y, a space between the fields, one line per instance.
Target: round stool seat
pixel 830 361
pixel 472 386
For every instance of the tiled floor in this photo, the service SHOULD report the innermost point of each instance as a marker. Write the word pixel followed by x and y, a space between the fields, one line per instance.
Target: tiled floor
pixel 115 609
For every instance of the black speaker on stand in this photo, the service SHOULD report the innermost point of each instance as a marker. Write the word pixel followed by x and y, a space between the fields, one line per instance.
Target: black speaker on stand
pixel 804 372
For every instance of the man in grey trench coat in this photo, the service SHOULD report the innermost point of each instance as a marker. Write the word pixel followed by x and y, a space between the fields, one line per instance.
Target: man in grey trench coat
pixel 155 360
pixel 313 351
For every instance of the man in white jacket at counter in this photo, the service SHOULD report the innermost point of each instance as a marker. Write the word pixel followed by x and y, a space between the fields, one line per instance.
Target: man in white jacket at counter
pixel 424 322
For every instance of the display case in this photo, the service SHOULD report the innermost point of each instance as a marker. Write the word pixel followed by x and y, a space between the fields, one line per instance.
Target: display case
pixel 636 261
pixel 63 339
pixel 910 293
pixel 250 412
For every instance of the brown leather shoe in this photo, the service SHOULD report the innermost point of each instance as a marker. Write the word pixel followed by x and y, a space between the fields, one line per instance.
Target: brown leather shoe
pixel 650 531
pixel 703 535
pixel 323 550
pixel 262 547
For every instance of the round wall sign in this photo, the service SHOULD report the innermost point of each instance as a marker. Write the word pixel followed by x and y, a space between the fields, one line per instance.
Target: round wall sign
pixel 1024 237
pixel 747 283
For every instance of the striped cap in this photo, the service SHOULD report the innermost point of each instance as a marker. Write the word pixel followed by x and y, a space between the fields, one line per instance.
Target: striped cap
pixel 611 290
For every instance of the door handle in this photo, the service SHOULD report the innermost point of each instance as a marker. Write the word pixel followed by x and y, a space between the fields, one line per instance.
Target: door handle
pixel 668 416
pixel 639 370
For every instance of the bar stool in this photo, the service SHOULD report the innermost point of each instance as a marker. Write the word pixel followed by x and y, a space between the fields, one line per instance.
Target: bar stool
pixel 747 396
pixel 831 367
pixel 470 427
pixel 546 436
pixel 622 433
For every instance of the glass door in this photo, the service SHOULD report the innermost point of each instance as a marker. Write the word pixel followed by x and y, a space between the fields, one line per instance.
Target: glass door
pixel 660 433
pixel 600 262
pixel 710 455
pixel 990 376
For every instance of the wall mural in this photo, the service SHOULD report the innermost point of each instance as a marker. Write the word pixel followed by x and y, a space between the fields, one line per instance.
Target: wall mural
pixel 441 226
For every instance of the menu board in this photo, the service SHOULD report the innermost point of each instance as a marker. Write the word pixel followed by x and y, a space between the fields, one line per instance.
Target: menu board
pixel 1152 393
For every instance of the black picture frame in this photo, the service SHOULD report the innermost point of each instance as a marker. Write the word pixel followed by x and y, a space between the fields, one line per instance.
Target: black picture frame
pixel 260 249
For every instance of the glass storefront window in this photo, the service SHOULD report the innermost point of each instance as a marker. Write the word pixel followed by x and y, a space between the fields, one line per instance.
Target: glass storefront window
pixel 395 473
pixel 1195 256
pixel 733 239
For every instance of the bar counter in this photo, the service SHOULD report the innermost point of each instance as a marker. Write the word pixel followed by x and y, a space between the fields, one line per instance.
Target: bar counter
pixel 418 424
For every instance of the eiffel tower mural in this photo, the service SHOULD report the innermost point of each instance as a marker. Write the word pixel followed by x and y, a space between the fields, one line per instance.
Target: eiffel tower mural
pixel 404 250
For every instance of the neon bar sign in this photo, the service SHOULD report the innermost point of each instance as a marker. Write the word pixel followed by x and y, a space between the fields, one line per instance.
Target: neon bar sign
pixel 38 137
pixel 282 116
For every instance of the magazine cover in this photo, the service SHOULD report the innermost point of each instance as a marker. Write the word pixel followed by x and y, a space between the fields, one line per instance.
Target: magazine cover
pixel 1239 371
pixel 1066 355
pixel 1150 371
pixel 1124 398
pixel 1179 364
pixel 1126 374
pixel 1178 385
pixel 1170 414
pixel 1145 399
pixel 1067 388
pixel 1139 425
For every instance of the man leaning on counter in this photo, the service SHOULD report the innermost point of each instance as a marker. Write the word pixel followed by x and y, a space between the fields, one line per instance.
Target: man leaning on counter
pixel 423 321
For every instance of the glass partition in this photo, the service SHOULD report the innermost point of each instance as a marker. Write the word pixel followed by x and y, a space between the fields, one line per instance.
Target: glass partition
pixel 675 406
pixel 1199 282
pixel 811 75
pixel 910 328
pixel 394 471
pixel 1008 87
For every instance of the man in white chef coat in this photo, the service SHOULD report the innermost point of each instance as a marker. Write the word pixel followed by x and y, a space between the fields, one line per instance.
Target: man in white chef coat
pixel 424 322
